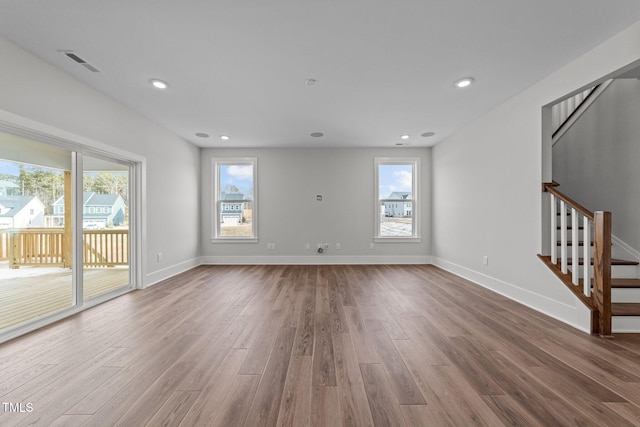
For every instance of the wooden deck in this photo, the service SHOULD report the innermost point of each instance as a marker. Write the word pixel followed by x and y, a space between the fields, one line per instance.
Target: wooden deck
pixel 26 298
pixel 318 346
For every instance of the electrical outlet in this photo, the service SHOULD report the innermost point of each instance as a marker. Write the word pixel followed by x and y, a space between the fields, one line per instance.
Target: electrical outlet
pixel 338 246
pixel 159 257
pixel 485 260
pixel 308 246
pixel 271 246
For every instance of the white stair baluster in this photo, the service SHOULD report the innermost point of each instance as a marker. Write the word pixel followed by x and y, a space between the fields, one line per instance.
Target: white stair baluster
pixel 554 230
pixel 563 237
pixel 575 265
pixel 586 275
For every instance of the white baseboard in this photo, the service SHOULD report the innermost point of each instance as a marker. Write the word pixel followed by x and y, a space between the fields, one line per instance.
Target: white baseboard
pixel 314 260
pixel 167 272
pixel 563 312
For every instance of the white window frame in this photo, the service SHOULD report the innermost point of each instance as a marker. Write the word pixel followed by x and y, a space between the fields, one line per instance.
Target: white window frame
pixel 77 147
pixel 216 202
pixel 414 162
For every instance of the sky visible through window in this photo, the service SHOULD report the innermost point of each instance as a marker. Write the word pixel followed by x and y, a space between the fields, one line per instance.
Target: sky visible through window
pixel 10 168
pixel 394 178
pixel 45 183
pixel 239 177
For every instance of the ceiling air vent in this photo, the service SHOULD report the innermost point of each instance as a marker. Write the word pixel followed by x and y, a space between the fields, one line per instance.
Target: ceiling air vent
pixel 71 55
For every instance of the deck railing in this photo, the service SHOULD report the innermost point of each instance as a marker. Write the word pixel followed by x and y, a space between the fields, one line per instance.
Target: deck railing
pixel 106 248
pixel 4 245
pixel 46 247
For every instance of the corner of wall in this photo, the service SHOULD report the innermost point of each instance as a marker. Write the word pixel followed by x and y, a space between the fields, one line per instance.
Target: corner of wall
pixel 158 276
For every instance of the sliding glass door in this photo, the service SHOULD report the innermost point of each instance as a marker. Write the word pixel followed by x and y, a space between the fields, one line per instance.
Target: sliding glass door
pixel 66 221
pixel 105 226
pixel 35 233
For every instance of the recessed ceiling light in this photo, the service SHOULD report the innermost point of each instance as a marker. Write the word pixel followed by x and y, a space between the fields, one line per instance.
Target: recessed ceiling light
pixel 310 82
pixel 400 144
pixel 467 81
pixel 158 84
pixel 202 135
pixel 404 136
pixel 224 137
pixel 317 134
pixel 427 134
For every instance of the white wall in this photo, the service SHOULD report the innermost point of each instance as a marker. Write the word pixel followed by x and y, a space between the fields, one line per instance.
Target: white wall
pixel 290 216
pixel 486 198
pixel 597 162
pixel 51 100
pixel 487 187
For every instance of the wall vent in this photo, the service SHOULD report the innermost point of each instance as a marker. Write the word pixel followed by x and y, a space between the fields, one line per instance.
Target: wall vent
pixel 74 57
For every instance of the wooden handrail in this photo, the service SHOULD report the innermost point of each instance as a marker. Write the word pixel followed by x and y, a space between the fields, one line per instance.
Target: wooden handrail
pixel 550 188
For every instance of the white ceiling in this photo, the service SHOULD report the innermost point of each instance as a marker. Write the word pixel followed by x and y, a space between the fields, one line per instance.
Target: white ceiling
pixel 383 68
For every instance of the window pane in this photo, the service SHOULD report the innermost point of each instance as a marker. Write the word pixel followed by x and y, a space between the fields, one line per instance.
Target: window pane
pixel 395 194
pixel 105 234
pixel 235 200
pixel 35 245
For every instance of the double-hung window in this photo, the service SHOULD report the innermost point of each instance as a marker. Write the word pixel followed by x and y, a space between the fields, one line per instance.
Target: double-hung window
pixel 235 196
pixel 396 199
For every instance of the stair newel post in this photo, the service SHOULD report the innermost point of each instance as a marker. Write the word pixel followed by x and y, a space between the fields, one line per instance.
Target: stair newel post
pixel 602 272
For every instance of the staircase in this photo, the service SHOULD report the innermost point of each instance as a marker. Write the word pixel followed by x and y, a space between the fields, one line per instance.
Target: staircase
pixel 566 112
pixel 608 286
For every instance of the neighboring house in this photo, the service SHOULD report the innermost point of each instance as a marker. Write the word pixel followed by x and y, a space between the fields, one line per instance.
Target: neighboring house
pixel 231 208
pixel 21 212
pixel 98 211
pixel 402 205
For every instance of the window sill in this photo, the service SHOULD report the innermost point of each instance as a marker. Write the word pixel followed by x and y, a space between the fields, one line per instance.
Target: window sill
pixel 234 240
pixel 397 239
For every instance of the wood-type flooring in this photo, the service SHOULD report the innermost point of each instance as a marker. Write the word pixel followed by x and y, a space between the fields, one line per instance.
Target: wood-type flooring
pixel 317 346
